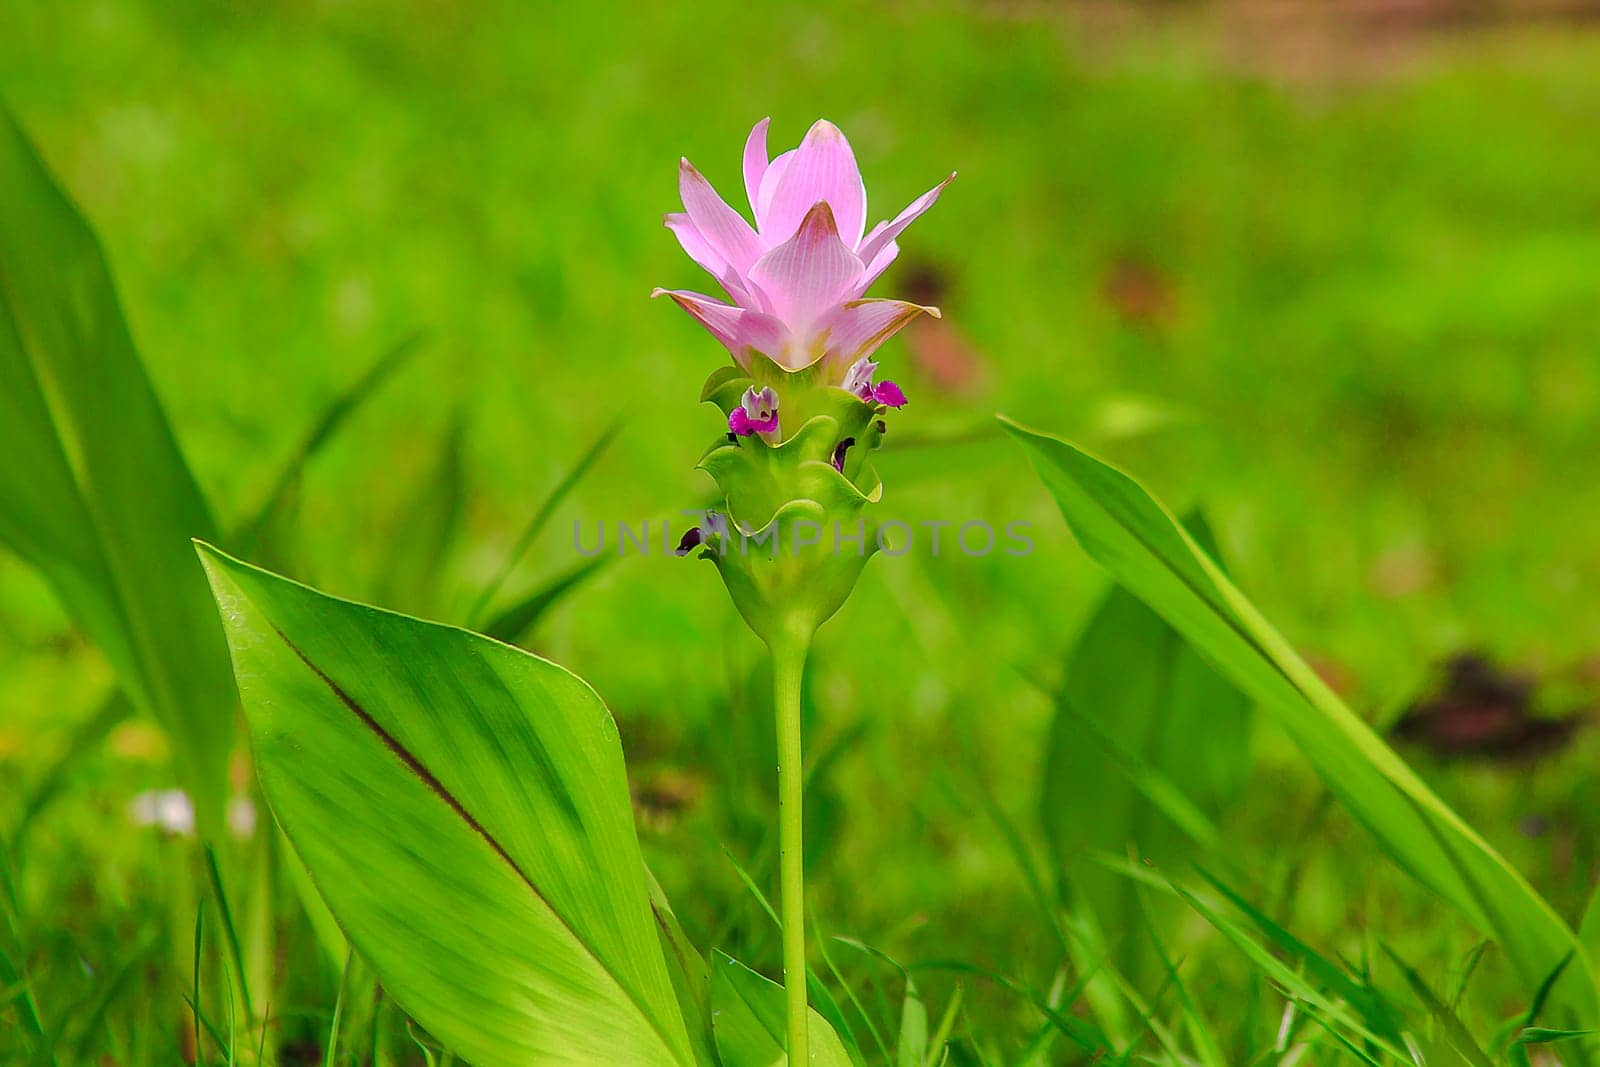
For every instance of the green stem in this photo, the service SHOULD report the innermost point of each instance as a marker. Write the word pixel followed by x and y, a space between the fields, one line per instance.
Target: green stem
pixel 788 665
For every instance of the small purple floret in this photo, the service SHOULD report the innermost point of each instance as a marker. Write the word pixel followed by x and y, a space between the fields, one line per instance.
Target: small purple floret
pixel 839 453
pixel 889 395
pixel 757 412
pixel 691 541
pixel 858 379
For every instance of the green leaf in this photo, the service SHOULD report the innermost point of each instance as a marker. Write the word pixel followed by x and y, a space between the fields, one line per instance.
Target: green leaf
pixel 94 492
pixel 425 529
pixel 513 624
pixel 332 418
pixel 1135 679
pixel 912 1048
pixel 1153 743
pixel 1147 551
pixel 541 517
pixel 747 1018
pixel 463 808
pixel 691 978
pixel 1455 1031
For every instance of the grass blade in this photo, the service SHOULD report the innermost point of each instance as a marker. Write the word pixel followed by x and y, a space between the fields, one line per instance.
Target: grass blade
pixel 513 624
pixel 562 488
pixel 327 424
pixel 1147 550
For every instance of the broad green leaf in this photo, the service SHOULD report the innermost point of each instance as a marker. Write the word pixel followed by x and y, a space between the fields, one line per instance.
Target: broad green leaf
pixel 1147 551
pixel 463 808
pixel 94 491
pixel 1132 676
pixel 747 1019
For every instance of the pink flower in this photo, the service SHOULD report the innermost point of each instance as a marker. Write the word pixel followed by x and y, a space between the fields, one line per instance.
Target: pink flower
pixel 796 278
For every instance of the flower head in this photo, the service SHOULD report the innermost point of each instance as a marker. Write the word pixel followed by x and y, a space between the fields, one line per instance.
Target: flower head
pixel 796 278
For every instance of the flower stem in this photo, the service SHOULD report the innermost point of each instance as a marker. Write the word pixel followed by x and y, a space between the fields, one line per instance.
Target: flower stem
pixel 788 665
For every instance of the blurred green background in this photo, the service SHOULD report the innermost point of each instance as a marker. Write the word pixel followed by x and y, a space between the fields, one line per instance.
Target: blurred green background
pixel 1332 277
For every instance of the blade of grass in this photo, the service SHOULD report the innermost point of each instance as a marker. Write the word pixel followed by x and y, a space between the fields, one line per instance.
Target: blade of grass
pixel 331 1056
pixel 429 520
pixel 12 973
pixel 194 998
pixel 1080 1033
pixel 344 404
pixel 101 1007
pixel 1207 1048
pixel 937 1050
pixel 235 950
pixel 1324 971
pixel 1455 1031
pixel 850 992
pixel 1290 980
pixel 552 501
pixel 204 1024
pixel 513 623
pixel 1468 969
pixel 1147 550
pixel 821 999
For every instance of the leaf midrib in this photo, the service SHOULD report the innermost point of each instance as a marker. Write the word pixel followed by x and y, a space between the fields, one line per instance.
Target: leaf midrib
pixel 418 769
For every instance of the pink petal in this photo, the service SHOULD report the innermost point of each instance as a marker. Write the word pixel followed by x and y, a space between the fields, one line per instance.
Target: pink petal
pixel 723 228
pixel 823 168
pixel 859 327
pixel 889 395
pixel 764 194
pixel 755 162
pixel 700 250
pixel 804 277
pixel 739 329
pixel 881 237
pixel 880 263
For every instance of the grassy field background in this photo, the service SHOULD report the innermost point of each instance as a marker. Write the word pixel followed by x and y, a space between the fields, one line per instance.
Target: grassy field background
pixel 1352 315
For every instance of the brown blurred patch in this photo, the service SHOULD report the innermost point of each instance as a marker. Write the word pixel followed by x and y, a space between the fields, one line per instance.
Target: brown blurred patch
pixel 1139 292
pixel 663 795
pixel 1482 711
pixel 1307 41
pixel 1401 571
pixel 949 362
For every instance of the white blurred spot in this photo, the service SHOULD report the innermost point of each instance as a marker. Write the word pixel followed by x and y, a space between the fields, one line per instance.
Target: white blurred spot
pixel 168 809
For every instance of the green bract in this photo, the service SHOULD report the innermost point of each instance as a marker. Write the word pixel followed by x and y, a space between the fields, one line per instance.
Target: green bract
pixel 791 532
